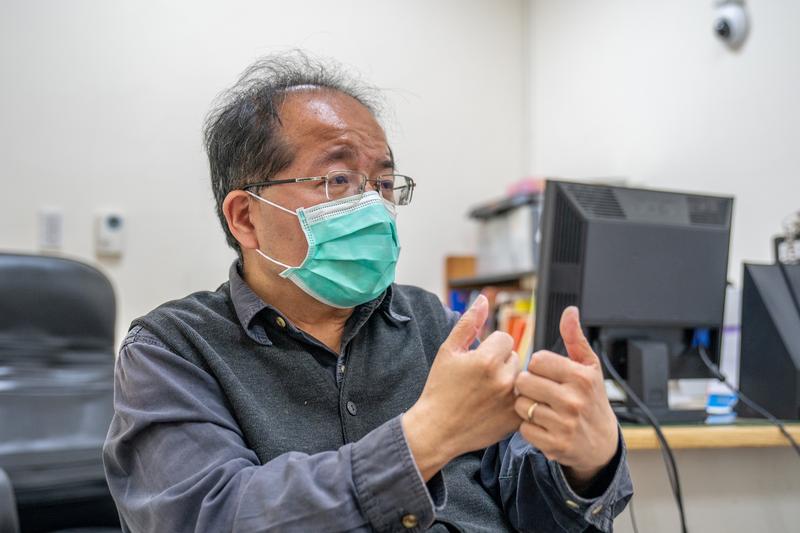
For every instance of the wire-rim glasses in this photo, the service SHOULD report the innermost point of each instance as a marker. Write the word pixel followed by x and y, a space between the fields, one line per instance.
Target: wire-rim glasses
pixel 396 188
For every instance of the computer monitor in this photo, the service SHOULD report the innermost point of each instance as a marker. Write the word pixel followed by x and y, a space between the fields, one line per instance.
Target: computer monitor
pixel 647 269
pixel 769 369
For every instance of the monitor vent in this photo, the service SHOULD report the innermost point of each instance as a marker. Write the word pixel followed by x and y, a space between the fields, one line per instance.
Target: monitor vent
pixel 597 201
pixel 708 211
pixel 567 232
pixel 557 302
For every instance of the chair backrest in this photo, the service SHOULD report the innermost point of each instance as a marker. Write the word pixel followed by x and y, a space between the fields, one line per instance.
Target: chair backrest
pixel 56 372
pixel 52 301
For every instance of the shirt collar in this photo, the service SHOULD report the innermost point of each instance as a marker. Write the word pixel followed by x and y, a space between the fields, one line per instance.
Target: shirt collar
pixel 249 306
pixel 390 308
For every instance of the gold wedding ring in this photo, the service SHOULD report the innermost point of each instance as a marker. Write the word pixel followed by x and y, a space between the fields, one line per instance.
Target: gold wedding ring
pixel 531 410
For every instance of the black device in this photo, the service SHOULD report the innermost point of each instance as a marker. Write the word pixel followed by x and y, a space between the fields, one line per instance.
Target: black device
pixel 647 269
pixel 769 368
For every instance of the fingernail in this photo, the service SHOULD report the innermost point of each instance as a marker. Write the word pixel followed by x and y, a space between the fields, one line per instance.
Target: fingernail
pixel 476 302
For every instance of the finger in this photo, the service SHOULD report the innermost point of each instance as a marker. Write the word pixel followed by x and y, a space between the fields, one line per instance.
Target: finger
pixel 469 326
pixel 539 437
pixel 524 407
pixel 513 356
pixel 552 366
pixel 498 345
pixel 539 388
pixel 542 415
pixel 511 368
pixel 578 347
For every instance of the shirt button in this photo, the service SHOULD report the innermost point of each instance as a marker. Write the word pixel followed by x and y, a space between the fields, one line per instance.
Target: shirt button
pixel 597 510
pixel 410 521
pixel 280 321
pixel 572 504
pixel 351 408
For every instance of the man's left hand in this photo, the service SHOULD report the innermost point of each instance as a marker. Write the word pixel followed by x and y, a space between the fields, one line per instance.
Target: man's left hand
pixel 572 421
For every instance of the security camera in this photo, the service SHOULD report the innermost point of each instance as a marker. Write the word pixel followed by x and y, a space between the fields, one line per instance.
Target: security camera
pixel 730 23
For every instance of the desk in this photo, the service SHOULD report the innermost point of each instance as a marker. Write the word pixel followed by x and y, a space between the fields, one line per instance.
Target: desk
pixel 741 435
pixel 736 478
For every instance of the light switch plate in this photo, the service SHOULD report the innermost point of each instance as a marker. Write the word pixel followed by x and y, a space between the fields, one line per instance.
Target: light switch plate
pixel 51 229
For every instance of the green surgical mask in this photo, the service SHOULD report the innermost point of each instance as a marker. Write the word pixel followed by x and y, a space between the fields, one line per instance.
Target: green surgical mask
pixel 352 249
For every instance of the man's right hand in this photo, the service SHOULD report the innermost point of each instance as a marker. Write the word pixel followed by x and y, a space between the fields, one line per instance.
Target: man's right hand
pixel 468 400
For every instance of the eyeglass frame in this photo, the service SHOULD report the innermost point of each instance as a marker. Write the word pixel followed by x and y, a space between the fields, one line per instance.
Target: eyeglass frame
pixel 410 181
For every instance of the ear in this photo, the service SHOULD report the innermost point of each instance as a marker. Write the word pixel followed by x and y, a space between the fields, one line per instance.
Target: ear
pixel 237 210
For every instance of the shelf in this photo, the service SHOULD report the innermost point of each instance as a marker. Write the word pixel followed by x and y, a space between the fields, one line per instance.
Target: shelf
pixel 496 279
pixel 741 435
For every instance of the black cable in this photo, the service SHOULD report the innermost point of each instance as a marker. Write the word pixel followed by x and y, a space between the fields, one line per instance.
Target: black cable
pixel 715 371
pixel 633 516
pixel 666 451
pixel 664 448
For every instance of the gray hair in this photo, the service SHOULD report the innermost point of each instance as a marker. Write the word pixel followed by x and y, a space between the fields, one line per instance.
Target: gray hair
pixel 242 131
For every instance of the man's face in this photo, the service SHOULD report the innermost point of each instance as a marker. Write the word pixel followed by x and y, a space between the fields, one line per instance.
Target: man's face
pixel 326 131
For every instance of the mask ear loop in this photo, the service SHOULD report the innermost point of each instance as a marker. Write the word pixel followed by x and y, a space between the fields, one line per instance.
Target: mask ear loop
pixel 390 206
pixel 268 258
pixel 258 250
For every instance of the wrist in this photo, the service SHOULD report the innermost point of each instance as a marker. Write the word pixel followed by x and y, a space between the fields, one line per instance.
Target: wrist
pixel 429 447
pixel 584 479
pixel 580 479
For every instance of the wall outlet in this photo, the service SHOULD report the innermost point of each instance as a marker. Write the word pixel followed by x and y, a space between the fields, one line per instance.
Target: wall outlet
pixel 109 233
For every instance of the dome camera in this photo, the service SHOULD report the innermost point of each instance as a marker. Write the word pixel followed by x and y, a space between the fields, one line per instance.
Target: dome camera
pixel 731 23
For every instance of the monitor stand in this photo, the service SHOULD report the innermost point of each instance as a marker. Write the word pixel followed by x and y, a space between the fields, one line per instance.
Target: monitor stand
pixel 633 415
pixel 648 377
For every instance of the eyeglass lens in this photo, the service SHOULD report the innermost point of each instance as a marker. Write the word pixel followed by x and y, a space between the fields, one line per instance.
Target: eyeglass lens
pixel 393 187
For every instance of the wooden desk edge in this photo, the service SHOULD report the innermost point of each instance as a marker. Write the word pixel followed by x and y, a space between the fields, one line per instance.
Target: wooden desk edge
pixel 698 437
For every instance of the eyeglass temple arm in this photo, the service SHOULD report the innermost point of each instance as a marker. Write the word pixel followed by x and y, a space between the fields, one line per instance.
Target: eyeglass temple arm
pixel 281 182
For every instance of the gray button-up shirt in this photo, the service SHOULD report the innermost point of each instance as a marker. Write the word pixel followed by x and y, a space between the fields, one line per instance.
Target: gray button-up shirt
pixel 176 460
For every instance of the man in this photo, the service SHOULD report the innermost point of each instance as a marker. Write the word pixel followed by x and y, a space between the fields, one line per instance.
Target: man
pixel 309 392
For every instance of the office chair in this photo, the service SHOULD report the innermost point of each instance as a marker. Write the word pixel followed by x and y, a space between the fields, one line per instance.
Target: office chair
pixel 56 395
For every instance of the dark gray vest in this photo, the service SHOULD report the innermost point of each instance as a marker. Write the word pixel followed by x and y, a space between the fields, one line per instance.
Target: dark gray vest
pixel 284 400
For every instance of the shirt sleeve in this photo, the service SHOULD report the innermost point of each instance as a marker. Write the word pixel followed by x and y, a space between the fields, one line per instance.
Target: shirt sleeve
pixel 536 496
pixel 176 460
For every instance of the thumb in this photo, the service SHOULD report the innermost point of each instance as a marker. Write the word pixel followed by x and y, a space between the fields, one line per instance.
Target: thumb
pixel 578 347
pixel 469 326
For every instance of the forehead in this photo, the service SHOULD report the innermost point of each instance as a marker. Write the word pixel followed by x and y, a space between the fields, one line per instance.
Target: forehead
pixel 313 119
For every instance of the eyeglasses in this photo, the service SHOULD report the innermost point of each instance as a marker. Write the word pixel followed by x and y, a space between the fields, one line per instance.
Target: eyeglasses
pixel 396 188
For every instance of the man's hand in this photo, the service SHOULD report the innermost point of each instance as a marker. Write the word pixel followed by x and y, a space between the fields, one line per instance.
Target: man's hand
pixel 572 422
pixel 468 400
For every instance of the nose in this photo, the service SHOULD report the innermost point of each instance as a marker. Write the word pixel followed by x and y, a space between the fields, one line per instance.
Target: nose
pixel 371 186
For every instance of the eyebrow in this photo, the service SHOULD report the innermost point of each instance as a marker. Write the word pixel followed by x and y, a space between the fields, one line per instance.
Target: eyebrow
pixel 387 164
pixel 391 161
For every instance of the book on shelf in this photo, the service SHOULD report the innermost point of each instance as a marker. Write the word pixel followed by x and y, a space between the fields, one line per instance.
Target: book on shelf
pixel 510 310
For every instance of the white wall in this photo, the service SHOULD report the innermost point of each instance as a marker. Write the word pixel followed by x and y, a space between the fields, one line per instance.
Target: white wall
pixel 102 105
pixel 643 89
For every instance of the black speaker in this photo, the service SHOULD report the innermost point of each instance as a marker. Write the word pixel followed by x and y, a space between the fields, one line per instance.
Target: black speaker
pixel 769 371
